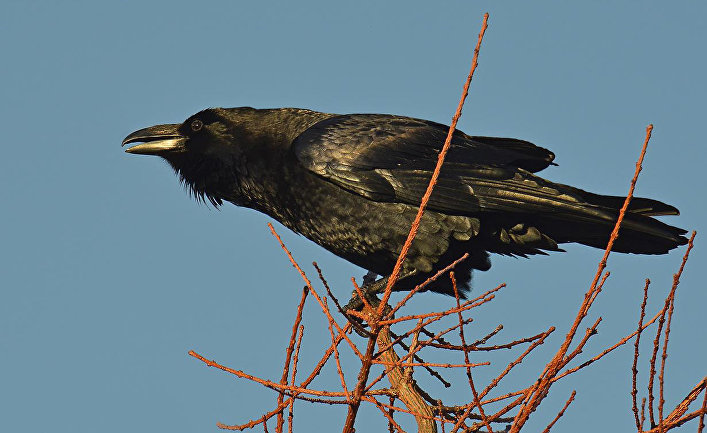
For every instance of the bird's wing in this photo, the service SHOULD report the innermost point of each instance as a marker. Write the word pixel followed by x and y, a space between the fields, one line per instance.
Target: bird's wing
pixel 391 158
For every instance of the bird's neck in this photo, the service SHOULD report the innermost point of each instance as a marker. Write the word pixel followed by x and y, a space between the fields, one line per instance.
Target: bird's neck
pixel 267 173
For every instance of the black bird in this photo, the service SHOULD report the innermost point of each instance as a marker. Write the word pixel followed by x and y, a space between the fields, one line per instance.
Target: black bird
pixel 352 184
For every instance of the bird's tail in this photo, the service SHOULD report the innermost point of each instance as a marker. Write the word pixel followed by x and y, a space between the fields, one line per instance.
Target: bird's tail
pixel 553 213
pixel 640 233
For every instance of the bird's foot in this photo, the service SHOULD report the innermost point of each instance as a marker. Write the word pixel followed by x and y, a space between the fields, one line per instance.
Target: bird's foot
pixel 355 306
pixel 371 287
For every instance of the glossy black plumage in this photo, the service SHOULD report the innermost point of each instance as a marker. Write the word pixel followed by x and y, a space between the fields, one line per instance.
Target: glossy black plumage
pixel 352 183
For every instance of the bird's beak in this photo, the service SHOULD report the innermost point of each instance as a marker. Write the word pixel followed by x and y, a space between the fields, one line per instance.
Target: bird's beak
pixel 156 140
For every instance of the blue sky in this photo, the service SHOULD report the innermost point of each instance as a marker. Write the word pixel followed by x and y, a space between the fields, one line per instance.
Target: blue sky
pixel 110 273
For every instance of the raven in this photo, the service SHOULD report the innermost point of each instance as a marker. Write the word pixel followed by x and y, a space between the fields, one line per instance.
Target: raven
pixel 353 183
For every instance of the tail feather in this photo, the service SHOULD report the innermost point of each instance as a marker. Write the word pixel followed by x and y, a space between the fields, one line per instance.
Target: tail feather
pixel 639 233
pixel 638 205
pixel 568 214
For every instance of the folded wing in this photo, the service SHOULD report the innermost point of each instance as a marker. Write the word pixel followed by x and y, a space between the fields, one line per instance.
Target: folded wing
pixel 391 159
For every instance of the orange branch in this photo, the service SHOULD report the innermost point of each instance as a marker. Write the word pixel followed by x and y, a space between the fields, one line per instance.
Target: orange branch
pixel 336 358
pixel 430 364
pixel 324 308
pixel 517 361
pixel 701 426
pixel 656 346
pixel 677 414
pixel 425 283
pixel 542 386
pixel 433 181
pixel 288 355
pixel 468 305
pixel 477 400
pixel 606 351
pixel 562 412
pixel 290 414
pixel 673 291
pixel 439 316
pixel 389 416
pixel 267 383
pixel 634 368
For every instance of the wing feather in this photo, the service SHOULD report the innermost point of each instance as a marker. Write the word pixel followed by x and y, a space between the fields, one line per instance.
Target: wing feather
pixel 391 158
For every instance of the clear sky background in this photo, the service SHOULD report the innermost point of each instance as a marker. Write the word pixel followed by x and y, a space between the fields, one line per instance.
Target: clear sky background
pixel 110 273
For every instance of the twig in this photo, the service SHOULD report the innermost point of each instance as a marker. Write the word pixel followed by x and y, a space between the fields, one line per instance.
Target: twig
pixel 607 350
pixel 424 284
pixel 323 306
pixel 668 425
pixel 389 415
pixel 477 400
pixel 288 355
pixel 439 314
pixel 656 342
pixel 562 412
pixel 391 412
pixel 267 383
pixel 643 414
pixel 517 361
pixel 290 414
pixel 404 410
pixel 701 426
pixel 485 348
pixel 542 386
pixel 315 372
pixel 336 358
pixel 433 181
pixel 441 414
pixel 634 368
pixel 677 414
pixel 654 357
pixel 416 357
pixel 673 291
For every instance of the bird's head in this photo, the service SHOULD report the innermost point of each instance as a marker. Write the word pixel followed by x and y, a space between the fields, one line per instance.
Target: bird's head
pixel 205 150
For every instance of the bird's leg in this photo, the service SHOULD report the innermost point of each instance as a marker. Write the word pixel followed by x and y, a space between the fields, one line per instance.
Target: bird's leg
pixel 378 286
pixel 369 278
pixel 370 289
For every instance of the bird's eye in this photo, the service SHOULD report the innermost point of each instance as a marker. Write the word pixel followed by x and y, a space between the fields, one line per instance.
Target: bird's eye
pixel 196 125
